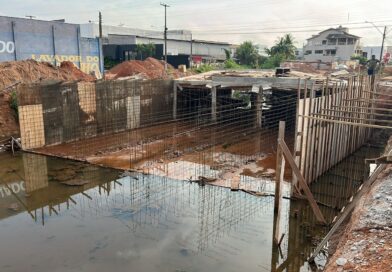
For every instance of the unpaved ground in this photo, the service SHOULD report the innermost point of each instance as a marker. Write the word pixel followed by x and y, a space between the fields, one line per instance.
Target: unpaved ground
pixel 366 244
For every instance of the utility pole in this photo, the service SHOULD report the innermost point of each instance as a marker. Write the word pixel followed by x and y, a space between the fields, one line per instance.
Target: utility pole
pixel 191 56
pixel 382 43
pixel 165 33
pixel 100 25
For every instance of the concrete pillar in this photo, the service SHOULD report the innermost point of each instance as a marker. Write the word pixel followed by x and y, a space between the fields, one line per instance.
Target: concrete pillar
pixel 259 107
pixel 175 101
pixel 213 104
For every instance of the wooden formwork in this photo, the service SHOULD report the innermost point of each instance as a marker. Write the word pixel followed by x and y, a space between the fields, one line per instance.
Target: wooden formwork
pixel 334 121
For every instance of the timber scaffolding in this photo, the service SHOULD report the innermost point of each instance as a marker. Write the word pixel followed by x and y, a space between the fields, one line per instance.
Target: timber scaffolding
pixel 334 121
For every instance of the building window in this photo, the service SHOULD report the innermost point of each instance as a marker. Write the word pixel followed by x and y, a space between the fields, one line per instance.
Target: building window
pixel 324 42
pixel 330 52
pixel 342 41
pixel 331 41
pixel 319 52
pixel 308 52
pixel 350 41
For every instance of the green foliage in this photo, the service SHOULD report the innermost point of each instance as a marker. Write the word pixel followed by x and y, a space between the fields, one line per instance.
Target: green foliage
pixel 14 102
pixel 204 68
pixel 231 64
pixel 109 63
pixel 227 53
pixel 144 51
pixel 247 54
pixel 362 60
pixel 272 61
pixel 284 46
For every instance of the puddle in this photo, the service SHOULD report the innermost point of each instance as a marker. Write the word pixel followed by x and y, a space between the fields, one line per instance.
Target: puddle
pixel 151 222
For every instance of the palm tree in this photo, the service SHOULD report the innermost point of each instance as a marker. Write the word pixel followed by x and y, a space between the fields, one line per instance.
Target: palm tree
pixel 284 46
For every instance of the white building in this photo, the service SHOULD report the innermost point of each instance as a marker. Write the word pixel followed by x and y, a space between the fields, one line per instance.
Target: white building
pixel 334 44
pixel 368 51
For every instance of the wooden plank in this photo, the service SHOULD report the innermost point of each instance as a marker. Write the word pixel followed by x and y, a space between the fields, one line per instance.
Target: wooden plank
pixel 279 166
pixel 362 113
pixel 355 107
pixel 366 186
pixel 302 182
pixel 354 118
pixel 302 149
pixel 308 136
pixel 347 123
pixel 296 140
pixel 379 101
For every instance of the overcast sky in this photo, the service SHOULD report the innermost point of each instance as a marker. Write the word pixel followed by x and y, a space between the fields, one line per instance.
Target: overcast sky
pixel 260 21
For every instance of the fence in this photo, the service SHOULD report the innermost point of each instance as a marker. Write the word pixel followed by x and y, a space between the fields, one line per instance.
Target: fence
pixel 53 113
pixel 334 121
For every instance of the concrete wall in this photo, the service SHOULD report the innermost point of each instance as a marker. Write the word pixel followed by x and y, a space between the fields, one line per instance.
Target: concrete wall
pixel 48 41
pixel 52 113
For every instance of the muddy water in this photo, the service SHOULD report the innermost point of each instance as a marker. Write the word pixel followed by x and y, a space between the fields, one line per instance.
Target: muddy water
pixel 141 222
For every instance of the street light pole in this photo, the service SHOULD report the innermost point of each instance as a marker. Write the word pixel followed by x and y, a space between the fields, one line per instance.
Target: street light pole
pixel 383 37
pixel 382 44
pixel 165 33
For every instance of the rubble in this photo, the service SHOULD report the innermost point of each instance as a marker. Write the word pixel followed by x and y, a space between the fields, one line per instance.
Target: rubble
pixel 366 244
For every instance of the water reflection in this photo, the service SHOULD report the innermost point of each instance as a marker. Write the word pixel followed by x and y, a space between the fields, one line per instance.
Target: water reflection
pixel 149 223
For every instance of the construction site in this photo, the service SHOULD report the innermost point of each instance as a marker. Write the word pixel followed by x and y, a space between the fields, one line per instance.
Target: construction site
pixel 218 166
pixel 231 147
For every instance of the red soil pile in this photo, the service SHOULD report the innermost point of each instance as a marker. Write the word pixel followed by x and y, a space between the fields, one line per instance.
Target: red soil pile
pixel 29 71
pixel 148 69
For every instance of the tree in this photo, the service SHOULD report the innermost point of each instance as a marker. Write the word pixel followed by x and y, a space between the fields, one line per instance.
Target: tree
pixel 227 53
pixel 145 50
pixel 284 46
pixel 247 54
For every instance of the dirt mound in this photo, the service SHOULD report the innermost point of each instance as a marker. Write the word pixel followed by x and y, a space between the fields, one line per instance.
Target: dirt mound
pixel 27 71
pixel 148 69
pixel 31 71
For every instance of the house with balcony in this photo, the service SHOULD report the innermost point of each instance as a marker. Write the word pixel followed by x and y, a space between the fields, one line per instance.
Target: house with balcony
pixel 333 44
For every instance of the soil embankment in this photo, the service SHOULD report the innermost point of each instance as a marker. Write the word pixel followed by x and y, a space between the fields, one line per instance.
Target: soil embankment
pixel 12 73
pixel 366 242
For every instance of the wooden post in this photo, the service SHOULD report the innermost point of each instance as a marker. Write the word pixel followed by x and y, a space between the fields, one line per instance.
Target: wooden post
pixel 175 101
pixel 304 186
pixel 297 143
pixel 213 103
pixel 280 165
pixel 259 107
